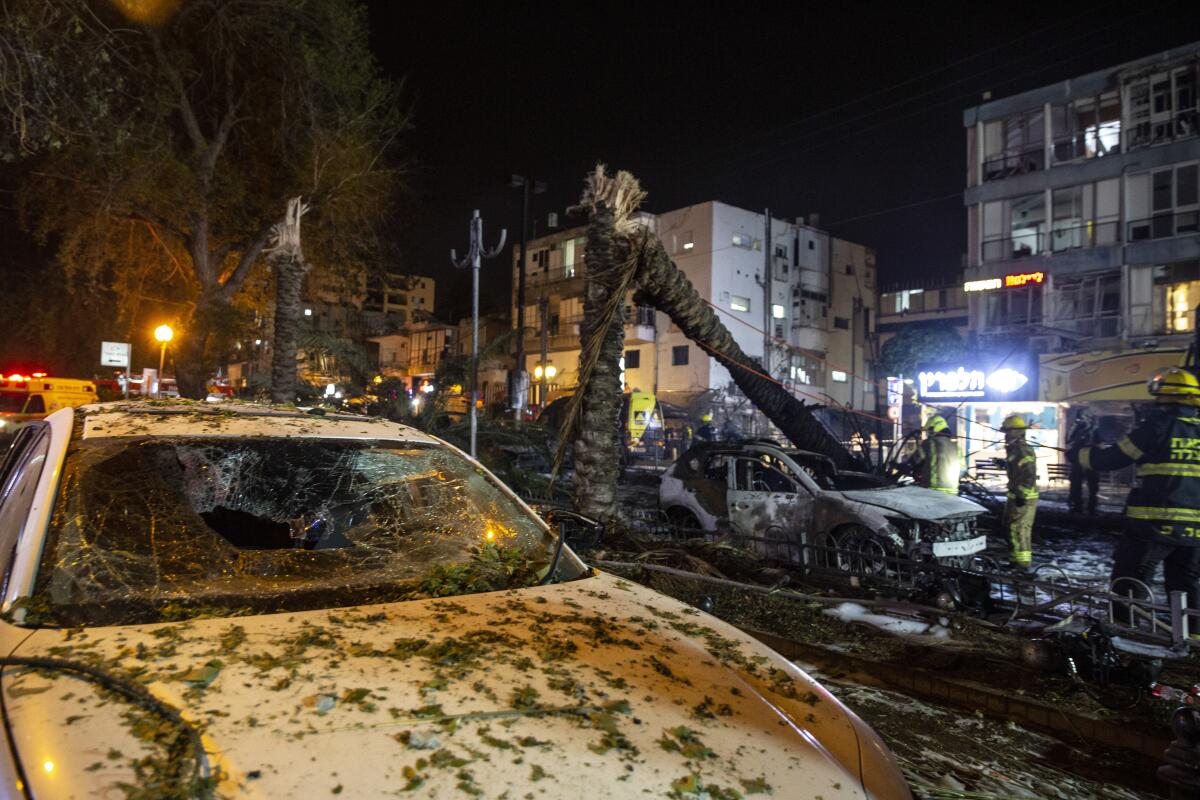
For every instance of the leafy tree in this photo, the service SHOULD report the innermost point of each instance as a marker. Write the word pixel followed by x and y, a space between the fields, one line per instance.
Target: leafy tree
pixel 916 345
pixel 160 140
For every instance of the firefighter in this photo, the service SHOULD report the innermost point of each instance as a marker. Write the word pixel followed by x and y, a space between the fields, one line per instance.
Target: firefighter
pixel 706 432
pixel 1083 433
pixel 1162 512
pixel 1019 511
pixel 936 464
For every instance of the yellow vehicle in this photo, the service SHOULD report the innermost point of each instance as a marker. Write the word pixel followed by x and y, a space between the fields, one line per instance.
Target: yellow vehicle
pixel 29 397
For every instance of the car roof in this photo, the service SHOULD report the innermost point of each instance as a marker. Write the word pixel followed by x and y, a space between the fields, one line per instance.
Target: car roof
pixel 197 419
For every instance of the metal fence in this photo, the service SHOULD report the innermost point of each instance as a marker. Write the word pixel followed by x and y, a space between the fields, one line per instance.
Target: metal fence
pixel 1129 608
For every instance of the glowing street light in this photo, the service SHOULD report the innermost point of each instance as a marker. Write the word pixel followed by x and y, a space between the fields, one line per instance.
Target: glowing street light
pixel 164 334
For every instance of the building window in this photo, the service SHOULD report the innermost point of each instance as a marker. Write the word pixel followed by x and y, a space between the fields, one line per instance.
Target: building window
pixel 679 356
pixel 1176 295
pixel 1014 228
pixel 1162 107
pixel 686 242
pixel 1088 305
pixel 1013 146
pixel 568 251
pixel 842 323
pixel 633 359
pixel 849 269
pixel 781 251
pixel 746 241
pixel 739 303
pixel 778 311
pixel 1088 127
pixel 812 244
pixel 1164 203
pixel 838 376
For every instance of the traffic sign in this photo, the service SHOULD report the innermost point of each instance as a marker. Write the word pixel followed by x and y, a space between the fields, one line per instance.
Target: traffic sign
pixel 114 354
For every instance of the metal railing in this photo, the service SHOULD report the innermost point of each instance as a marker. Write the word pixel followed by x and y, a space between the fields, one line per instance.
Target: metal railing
pixel 1086 144
pixel 1090 234
pixel 1164 225
pixel 1131 611
pixel 1012 163
pixel 1180 125
pixel 1011 247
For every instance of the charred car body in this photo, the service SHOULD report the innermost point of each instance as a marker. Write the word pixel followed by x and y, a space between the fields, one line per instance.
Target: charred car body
pixel 781 500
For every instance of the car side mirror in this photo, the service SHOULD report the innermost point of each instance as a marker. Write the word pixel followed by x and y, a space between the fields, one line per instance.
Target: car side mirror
pixel 578 531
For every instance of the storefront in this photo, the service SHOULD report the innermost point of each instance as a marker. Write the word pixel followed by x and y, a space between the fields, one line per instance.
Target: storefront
pixel 975 398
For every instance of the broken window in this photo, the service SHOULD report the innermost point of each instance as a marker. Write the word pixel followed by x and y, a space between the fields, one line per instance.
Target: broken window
pixel 275 525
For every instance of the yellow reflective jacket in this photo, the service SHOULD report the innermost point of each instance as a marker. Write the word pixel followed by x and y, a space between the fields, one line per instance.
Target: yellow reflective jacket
pixel 1166 449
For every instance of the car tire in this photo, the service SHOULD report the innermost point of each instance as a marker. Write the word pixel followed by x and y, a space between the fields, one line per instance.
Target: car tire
pixel 861 551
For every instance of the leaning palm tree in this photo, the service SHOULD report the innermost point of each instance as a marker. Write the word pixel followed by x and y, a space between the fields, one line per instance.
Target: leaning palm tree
pixel 624 255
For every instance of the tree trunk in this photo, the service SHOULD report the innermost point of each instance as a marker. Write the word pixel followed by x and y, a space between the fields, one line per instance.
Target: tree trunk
pixel 597 442
pixel 663 285
pixel 191 354
pixel 288 261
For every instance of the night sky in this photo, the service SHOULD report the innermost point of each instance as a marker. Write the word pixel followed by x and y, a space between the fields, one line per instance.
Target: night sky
pixel 848 110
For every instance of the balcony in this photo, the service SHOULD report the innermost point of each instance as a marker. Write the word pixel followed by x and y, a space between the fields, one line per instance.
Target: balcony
pixel 1076 237
pixel 1181 125
pixel 1014 247
pixel 1163 226
pixel 639 329
pixel 1013 163
pixel 1104 140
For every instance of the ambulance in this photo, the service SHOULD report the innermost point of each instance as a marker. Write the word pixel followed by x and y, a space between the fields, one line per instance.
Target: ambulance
pixel 28 397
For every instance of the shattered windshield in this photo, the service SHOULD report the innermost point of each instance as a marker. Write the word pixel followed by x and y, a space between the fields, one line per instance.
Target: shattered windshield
pixel 154 529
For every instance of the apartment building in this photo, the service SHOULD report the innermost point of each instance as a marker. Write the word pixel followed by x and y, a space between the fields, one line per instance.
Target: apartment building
pixel 815 306
pixel 928 304
pixel 1083 214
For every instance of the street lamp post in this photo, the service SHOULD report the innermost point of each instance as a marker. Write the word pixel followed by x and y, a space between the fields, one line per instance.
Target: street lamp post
pixel 163 334
pixel 526 185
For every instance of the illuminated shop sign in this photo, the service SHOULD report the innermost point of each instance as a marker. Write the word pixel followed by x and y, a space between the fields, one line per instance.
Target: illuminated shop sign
pixel 1007 282
pixel 1011 378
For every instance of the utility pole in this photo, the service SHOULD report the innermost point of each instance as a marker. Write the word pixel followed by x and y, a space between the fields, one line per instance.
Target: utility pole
pixel 768 255
pixel 519 381
pixel 474 254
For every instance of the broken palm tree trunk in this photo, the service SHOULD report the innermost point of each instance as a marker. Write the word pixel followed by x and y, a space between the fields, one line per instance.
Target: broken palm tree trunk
pixel 592 417
pixel 287 259
pixel 663 285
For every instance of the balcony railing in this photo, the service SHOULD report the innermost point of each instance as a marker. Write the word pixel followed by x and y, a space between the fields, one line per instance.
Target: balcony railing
pixel 1010 247
pixel 1092 234
pixel 1178 126
pixel 642 315
pixel 1094 142
pixel 1014 163
pixel 1162 226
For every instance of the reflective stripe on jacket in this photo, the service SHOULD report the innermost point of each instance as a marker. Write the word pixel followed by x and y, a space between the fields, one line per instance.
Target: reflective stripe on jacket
pixel 1022 471
pixel 1166 449
pixel 937 464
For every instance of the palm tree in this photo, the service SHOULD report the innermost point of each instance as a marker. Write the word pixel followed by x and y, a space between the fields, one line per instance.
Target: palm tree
pixel 622 254
pixel 287 259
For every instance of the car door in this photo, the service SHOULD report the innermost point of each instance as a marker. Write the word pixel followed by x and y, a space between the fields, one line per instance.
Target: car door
pixel 767 506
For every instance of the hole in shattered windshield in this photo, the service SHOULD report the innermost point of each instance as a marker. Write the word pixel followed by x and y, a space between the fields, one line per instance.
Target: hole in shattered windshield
pixel 147 529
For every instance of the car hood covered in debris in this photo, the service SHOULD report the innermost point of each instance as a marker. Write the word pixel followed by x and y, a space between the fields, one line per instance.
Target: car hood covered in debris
pixel 595 686
pixel 916 502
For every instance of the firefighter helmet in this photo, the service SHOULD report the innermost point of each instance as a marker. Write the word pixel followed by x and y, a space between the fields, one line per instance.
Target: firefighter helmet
pixel 1175 385
pixel 1014 422
pixel 936 424
pixel 706 417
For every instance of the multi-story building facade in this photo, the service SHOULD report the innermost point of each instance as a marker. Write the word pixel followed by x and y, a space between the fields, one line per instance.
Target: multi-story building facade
pixel 929 304
pixel 1083 258
pixel 813 315
pixel 1083 209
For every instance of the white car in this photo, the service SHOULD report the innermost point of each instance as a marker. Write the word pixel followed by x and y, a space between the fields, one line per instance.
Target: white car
pixel 782 500
pixel 250 602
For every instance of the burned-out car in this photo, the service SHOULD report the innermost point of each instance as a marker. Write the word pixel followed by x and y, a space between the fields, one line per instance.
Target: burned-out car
pixel 257 602
pixel 779 499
